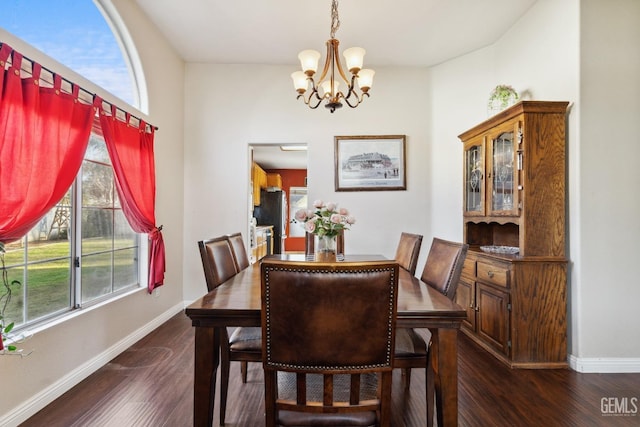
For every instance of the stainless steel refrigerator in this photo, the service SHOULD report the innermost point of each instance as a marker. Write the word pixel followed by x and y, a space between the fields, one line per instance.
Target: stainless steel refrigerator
pixel 273 211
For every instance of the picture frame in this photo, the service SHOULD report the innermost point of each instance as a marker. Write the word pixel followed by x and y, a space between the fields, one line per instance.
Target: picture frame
pixel 370 163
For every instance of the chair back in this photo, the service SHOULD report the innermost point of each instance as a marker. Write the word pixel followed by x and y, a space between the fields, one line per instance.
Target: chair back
pixel 239 252
pixel 328 341
pixel 408 251
pixel 217 261
pixel 444 266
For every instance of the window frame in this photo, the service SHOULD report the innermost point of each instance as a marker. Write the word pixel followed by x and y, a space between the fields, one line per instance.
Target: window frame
pixel 76 254
pixel 139 108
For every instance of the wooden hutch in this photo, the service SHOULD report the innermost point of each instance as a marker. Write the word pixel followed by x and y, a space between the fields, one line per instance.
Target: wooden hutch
pixel 514 281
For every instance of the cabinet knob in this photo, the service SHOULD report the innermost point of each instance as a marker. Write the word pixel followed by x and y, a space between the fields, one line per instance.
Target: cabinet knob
pixel 490 274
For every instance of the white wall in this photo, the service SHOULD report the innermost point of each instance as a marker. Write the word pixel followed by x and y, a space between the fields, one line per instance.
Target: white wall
pixel 570 50
pixel 63 355
pixel 607 290
pixel 231 106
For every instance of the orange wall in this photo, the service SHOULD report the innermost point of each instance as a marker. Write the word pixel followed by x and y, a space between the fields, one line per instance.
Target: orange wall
pixel 291 178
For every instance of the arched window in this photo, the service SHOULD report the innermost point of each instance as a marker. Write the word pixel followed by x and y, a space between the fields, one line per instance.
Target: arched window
pixel 76 34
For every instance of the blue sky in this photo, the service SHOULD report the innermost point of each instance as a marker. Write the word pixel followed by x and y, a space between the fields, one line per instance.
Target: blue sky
pixel 74 33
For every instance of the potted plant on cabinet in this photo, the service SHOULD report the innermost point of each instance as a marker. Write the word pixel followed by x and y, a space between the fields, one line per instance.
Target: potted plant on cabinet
pixel 501 97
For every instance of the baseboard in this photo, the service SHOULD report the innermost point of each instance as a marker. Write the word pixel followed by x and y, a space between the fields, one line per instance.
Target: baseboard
pixel 37 402
pixel 604 365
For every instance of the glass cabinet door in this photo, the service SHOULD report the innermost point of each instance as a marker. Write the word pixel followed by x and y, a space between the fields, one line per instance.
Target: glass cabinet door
pixel 503 175
pixel 474 179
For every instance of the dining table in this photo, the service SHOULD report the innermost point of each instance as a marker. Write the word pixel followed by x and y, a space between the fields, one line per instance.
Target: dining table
pixel 237 302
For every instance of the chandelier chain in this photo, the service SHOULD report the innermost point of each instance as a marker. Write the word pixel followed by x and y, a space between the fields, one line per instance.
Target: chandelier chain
pixel 335 19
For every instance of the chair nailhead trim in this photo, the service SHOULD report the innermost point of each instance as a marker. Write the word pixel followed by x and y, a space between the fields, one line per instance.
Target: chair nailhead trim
pixel 325 271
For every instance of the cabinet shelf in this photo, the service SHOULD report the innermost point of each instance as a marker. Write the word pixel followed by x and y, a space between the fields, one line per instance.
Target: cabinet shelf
pixel 492 233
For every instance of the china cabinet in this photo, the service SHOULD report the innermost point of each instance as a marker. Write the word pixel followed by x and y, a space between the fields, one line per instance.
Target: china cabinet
pixel 514 281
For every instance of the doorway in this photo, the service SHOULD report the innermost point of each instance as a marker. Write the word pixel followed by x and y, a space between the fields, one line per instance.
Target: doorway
pixel 286 167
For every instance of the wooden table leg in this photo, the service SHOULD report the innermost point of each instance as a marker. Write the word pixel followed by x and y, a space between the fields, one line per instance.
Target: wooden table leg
pixel 207 359
pixel 444 347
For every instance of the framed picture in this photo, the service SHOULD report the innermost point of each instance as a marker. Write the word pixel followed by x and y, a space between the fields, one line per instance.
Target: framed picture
pixel 370 163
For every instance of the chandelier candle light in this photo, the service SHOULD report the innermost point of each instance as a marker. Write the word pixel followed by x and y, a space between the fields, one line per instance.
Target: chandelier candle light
pixel 329 87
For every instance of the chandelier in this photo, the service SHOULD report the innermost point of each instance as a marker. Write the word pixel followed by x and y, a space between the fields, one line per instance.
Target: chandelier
pixel 328 88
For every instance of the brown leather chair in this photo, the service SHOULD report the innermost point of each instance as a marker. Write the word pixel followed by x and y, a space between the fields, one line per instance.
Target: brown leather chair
pixel 442 272
pixel 244 344
pixel 239 252
pixel 408 251
pixel 217 261
pixel 329 332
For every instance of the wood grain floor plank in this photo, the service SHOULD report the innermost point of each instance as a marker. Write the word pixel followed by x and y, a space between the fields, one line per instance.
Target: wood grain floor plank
pixel 151 384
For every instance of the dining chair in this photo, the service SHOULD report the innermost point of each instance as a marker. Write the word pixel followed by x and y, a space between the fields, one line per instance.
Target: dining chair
pixel 239 251
pixel 442 272
pixel 245 343
pixel 329 331
pixel 217 261
pixel 408 251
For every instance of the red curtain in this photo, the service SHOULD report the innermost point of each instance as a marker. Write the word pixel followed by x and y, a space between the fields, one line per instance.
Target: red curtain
pixel 43 137
pixel 131 152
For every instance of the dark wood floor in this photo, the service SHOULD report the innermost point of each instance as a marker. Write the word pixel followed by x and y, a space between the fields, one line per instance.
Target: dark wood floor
pixel 151 385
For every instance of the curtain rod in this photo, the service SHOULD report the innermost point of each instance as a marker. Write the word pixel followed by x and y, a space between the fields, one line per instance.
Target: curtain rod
pixel 93 95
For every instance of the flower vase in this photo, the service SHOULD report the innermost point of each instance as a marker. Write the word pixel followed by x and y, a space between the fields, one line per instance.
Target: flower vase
pixel 325 248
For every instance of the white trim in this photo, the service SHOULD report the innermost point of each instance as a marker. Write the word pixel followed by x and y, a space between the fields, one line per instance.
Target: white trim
pixel 37 402
pixel 605 365
pixel 128 48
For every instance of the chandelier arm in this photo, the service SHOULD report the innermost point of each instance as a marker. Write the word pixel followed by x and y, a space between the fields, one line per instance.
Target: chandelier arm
pixel 307 101
pixel 327 59
pixel 314 88
pixel 340 70
pixel 312 94
pixel 353 91
pixel 338 96
pixel 313 107
pixel 318 98
pixel 359 99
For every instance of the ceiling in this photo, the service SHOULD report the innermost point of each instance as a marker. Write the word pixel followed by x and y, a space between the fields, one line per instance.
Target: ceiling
pixel 394 33
pixel 411 33
pixel 272 157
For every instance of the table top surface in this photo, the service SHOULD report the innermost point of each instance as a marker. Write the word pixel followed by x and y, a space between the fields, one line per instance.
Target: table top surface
pixel 237 301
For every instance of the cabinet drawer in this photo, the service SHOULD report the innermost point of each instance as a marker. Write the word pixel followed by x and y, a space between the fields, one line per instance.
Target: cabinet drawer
pixel 493 274
pixel 469 268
